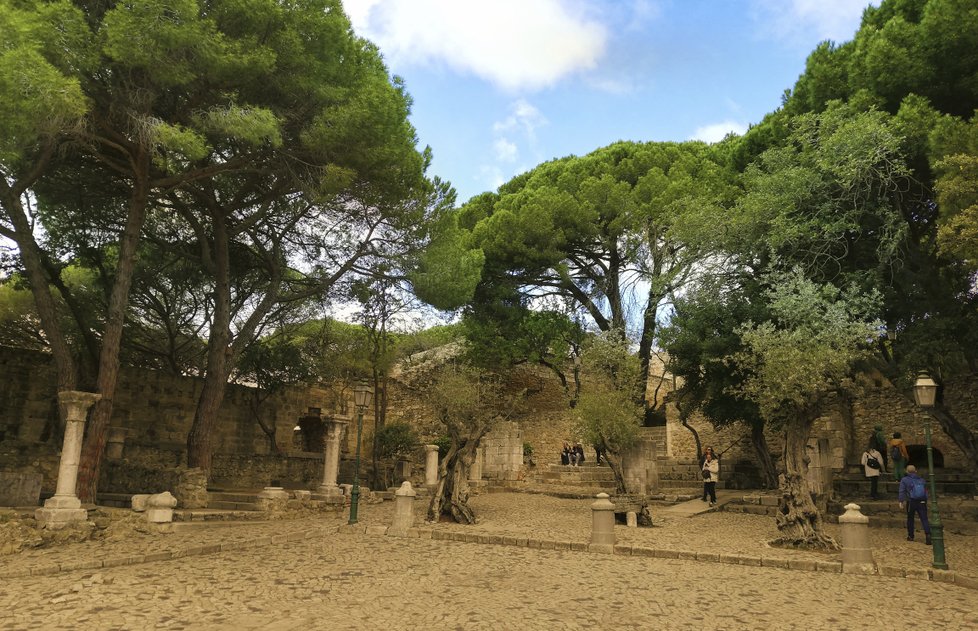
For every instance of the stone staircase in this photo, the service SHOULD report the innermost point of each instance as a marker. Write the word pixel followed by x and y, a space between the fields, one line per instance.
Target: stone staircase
pixel 584 480
pixel 947 482
pixel 233 500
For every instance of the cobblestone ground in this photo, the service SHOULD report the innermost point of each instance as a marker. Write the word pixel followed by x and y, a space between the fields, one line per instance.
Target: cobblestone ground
pixel 357 581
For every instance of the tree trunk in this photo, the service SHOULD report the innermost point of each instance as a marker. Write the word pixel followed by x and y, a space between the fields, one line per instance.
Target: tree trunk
pixel 451 495
pixel 269 430
pixel 108 371
pixel 199 440
pixel 31 257
pixel 615 464
pixel 798 519
pixel 764 460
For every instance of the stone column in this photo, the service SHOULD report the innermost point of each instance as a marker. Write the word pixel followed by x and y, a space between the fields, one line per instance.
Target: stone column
pixel 857 556
pixel 602 525
pixel 403 510
pixel 431 465
pixel 331 457
pixel 475 473
pixel 65 506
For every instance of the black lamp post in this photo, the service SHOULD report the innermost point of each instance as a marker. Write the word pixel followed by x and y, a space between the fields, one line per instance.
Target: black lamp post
pixel 925 393
pixel 361 398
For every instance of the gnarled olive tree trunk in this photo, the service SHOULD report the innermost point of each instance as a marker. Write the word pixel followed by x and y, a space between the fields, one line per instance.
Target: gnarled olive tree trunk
pixel 764 460
pixel 799 521
pixel 451 495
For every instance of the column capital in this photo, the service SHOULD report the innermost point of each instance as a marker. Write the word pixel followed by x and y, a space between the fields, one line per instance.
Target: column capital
pixel 76 403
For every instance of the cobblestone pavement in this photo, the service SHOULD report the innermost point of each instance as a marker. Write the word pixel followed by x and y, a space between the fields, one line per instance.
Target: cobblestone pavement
pixel 356 581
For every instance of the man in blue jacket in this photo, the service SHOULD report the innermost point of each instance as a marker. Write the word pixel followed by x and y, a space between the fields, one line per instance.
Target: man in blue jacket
pixel 913 491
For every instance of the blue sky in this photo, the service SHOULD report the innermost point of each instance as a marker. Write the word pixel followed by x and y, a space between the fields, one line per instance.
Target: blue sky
pixel 500 86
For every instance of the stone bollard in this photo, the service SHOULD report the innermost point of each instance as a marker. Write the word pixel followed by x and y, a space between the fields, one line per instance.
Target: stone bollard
pixel 159 508
pixel 631 519
pixel 602 525
pixel 403 510
pixel 431 465
pixel 857 556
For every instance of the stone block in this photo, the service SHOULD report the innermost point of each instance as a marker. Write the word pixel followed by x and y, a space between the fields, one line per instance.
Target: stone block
pixel 966 581
pixel 802 564
pixel 733 559
pixel 889 570
pixel 666 554
pixel 534 543
pixel 768 562
pixel 302 496
pixel 713 557
pixel 859 568
pixel 832 567
pixel 921 573
pixel 686 555
pixel 20 488
pixel 377 530
pixel 601 548
pixel 639 551
pixel 562 545
pixel 942 576
pixel 578 546
pixel 623 550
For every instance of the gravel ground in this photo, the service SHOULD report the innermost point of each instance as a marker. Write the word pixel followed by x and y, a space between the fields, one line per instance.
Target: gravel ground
pixel 527 515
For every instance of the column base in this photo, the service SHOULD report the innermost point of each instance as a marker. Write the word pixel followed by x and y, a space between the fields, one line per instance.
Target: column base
pixel 54 518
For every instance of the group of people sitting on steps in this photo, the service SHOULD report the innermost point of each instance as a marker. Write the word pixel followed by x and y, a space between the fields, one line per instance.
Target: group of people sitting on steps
pixel 572 456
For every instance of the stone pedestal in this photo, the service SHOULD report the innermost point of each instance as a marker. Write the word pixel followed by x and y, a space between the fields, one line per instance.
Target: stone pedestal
pixel 159 508
pixel 431 465
pixel 602 525
pixel 631 519
pixel 331 457
pixel 65 507
pixel 857 556
pixel 403 511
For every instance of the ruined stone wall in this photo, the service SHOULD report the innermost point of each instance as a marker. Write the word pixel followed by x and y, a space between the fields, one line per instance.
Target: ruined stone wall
pixel 154 409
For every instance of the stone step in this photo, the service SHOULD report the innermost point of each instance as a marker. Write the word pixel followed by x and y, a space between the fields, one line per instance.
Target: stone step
pixel 232 506
pixel 232 496
pixel 861 487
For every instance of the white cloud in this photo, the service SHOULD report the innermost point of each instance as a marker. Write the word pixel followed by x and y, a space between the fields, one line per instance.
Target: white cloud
pixel 506 151
pixel 523 116
pixel 718 131
pixel 514 44
pixel 837 20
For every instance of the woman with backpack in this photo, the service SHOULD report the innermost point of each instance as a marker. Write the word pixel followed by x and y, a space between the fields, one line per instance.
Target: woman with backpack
pixel 873 467
pixel 899 456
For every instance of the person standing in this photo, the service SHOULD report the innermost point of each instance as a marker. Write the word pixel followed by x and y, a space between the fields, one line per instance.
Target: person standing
pixel 873 467
pixel 913 491
pixel 899 455
pixel 877 441
pixel 711 474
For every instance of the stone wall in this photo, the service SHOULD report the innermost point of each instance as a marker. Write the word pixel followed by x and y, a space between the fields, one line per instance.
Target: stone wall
pixel 155 410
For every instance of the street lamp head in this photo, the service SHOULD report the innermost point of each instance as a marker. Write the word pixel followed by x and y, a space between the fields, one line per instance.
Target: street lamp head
pixel 361 395
pixel 925 390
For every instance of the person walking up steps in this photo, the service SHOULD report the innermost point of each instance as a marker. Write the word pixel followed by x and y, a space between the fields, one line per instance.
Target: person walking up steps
pixel 913 491
pixel 899 455
pixel 711 473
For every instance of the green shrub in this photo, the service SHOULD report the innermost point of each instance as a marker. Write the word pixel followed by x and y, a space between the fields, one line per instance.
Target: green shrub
pixel 396 440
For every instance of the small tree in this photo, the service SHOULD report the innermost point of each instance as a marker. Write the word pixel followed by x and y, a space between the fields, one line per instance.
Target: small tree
pixel 793 365
pixel 467 401
pixel 608 412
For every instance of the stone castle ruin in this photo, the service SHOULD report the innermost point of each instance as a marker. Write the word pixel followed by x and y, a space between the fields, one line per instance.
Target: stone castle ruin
pixel 153 412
